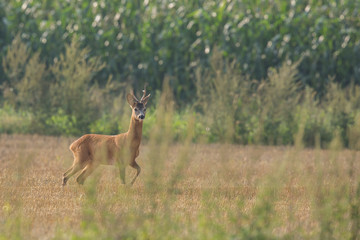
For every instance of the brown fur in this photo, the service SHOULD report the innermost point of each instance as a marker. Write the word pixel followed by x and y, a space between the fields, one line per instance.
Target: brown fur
pixel 91 150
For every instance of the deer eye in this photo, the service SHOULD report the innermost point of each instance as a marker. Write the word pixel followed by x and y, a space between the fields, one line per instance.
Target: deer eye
pixel 144 109
pixel 135 109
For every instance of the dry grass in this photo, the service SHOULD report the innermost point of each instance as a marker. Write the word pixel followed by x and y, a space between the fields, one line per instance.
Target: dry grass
pixel 225 186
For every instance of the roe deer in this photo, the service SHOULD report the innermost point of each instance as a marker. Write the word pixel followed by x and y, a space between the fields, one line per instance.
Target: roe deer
pixel 91 150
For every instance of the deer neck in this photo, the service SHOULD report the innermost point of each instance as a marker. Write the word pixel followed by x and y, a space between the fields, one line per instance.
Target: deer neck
pixel 135 130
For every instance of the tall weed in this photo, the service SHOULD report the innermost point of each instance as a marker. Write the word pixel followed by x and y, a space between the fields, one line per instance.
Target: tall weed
pixel 26 85
pixel 218 98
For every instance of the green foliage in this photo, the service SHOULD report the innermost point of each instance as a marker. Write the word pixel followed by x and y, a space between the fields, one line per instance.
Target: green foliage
pixel 61 97
pixel 274 111
pixel 279 98
pixel 12 121
pixel 251 73
pixel 144 41
pixel 228 107
pixel 105 125
pixel 62 124
pixel 26 77
pixel 71 90
pixel 218 92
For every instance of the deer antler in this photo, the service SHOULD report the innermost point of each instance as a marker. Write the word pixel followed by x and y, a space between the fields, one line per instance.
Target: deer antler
pixel 133 95
pixel 144 98
pixel 144 93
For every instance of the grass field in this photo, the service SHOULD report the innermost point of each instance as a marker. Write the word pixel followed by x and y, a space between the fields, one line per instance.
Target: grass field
pixel 184 192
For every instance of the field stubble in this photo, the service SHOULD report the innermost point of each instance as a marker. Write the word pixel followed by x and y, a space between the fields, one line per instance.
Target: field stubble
pixel 228 187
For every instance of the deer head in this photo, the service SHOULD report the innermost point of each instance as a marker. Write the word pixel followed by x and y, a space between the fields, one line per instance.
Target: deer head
pixel 138 107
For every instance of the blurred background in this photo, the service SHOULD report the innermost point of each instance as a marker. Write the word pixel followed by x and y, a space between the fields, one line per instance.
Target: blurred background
pixel 225 77
pixel 249 72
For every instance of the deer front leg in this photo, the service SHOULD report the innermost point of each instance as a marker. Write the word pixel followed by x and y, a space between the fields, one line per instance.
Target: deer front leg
pixel 121 167
pixel 122 173
pixel 138 170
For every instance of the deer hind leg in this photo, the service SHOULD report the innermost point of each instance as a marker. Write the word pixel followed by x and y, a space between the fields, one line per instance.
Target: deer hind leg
pixel 85 173
pixel 80 159
pixel 67 171
pixel 138 170
pixel 71 171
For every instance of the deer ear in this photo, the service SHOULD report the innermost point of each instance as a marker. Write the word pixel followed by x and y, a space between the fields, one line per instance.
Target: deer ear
pixel 145 99
pixel 131 99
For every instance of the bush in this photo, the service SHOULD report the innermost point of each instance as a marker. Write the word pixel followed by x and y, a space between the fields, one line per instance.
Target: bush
pixel 62 124
pixel 71 89
pixel 64 98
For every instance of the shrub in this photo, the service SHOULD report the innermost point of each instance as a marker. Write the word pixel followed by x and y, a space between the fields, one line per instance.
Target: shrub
pixel 61 97
pixel 72 90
